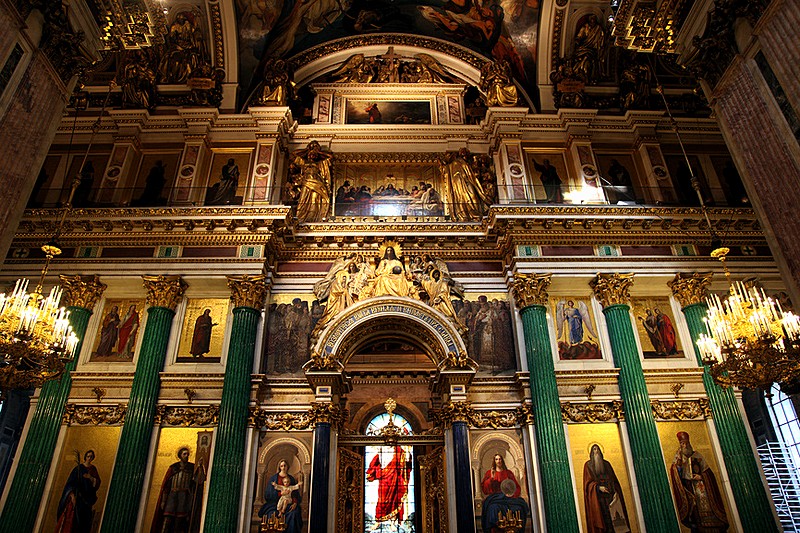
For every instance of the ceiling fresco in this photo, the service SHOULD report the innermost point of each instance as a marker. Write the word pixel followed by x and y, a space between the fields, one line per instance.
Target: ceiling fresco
pixel 498 29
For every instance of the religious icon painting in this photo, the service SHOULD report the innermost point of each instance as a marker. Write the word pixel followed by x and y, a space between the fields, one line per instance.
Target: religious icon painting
pixel 498 460
pixel 203 331
pixel 87 193
pixel 179 480
pixel 618 177
pixel 656 327
pixel 576 328
pixel 155 179
pixel 283 474
pixel 227 182
pixel 121 323
pixel 372 112
pixel 490 337
pixel 81 478
pixel 549 177
pixel 290 321
pixel 605 498
pixel 694 476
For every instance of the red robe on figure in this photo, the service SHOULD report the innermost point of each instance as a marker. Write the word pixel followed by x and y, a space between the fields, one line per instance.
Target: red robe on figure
pixel 392 485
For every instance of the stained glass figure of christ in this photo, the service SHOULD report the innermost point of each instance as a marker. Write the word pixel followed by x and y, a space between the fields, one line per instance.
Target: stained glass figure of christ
pixel 389 504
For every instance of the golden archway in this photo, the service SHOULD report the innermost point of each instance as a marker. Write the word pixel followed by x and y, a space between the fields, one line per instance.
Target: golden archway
pixel 402 318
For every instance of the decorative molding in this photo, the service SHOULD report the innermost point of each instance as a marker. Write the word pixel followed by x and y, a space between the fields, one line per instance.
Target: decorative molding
pixel 248 291
pixel 595 412
pixel 612 289
pixel 681 409
pixel 320 412
pixel 169 415
pixel 691 288
pixel 480 419
pixel 531 289
pixel 164 291
pixel 82 291
pixel 96 415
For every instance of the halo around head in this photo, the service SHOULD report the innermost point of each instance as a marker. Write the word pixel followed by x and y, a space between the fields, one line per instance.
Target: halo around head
pixel 390 244
pixel 592 445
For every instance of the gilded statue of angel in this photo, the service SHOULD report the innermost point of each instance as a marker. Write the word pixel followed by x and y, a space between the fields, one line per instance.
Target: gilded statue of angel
pixel 356 69
pixel 576 319
pixel 432 71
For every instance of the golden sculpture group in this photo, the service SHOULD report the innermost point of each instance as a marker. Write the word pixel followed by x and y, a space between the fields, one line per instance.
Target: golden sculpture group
pixel 352 278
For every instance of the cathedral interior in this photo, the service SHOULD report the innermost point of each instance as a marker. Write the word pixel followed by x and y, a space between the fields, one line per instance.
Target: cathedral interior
pixel 399 266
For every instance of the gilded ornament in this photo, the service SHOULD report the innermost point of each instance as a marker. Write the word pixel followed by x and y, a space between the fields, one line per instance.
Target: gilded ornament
pixel 81 291
pixel 168 415
pixel 681 409
pixel 531 289
pixel 325 412
pixel 99 393
pixel 248 291
pixel 580 413
pixel 280 421
pixel 164 291
pixel 612 289
pixel 432 468
pixel 94 415
pixel 691 288
pixel 495 419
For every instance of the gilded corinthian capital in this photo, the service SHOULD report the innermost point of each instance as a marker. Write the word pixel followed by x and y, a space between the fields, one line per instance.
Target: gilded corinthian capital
pixel 164 291
pixel 531 289
pixel 612 289
pixel 81 291
pixel 248 291
pixel 690 288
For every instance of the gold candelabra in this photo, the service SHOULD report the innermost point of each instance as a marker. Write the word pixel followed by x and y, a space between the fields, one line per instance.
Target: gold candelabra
pixel 509 522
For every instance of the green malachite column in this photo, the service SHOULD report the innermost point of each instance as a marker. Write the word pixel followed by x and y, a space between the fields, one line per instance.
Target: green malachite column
pixel 530 293
pixel 752 500
pixel 225 485
pixel 648 462
pixel 125 490
pixel 27 488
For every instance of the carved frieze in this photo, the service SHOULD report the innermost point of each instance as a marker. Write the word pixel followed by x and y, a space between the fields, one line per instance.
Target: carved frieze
pixel 96 415
pixel 580 413
pixel 481 419
pixel 168 415
pixel 681 409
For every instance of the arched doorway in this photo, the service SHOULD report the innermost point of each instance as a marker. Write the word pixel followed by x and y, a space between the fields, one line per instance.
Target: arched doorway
pixel 391 460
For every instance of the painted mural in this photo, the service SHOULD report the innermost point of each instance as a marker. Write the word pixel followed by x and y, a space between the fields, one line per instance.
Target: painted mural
pixel 500 475
pixel 283 471
pixel 290 321
pixel 179 480
pixel 203 330
pixel 503 30
pixel 656 326
pixel 81 478
pixel 117 335
pixel 694 475
pixel 490 337
pixel 228 180
pixel 576 328
pixel 605 498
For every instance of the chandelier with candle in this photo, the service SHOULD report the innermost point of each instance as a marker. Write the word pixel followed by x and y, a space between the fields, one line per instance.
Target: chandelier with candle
pixel 36 339
pixel 752 342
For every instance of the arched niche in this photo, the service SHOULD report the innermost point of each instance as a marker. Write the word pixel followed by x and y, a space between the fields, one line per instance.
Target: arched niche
pixel 400 318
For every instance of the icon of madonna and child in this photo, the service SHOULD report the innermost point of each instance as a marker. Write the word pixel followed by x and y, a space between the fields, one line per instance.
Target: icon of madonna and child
pixel 282 498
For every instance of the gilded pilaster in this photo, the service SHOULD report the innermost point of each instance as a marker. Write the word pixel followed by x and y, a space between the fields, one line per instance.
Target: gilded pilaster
pixel 613 291
pixel 222 512
pixel 81 294
pixel 530 294
pixel 752 501
pixel 163 295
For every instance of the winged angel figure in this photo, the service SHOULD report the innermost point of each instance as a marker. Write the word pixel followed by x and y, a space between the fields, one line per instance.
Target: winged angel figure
pixel 575 319
pixel 356 69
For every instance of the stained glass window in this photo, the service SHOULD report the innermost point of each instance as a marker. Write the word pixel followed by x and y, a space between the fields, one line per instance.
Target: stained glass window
pixel 389 504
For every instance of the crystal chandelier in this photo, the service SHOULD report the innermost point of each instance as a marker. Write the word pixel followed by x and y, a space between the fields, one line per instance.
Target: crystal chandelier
pixel 753 342
pixel 36 339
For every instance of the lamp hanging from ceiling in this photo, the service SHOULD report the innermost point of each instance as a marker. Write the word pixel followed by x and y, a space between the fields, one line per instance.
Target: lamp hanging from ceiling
pixel 752 342
pixel 36 338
